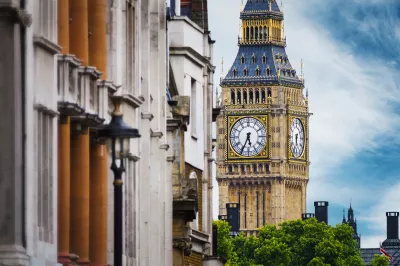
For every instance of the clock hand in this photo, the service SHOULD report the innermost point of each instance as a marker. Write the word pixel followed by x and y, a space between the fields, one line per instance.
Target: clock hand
pixel 248 138
pixel 244 145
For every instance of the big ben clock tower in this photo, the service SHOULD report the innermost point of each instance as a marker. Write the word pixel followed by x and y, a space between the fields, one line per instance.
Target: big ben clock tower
pixel 262 127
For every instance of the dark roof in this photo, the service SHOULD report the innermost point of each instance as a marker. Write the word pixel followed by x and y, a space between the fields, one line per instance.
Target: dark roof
pixel 288 75
pixel 260 8
pixel 367 255
pixel 260 5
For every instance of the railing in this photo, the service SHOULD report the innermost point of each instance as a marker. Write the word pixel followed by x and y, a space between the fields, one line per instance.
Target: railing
pixel 260 41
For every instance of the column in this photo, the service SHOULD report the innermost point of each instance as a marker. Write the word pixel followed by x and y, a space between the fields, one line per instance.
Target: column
pixel 79 234
pixel 79 32
pixel 97 38
pixel 63 25
pixel 98 205
pixel 64 189
pixel 12 179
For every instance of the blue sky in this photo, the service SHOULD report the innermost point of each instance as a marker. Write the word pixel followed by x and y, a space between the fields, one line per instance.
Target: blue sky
pixel 351 55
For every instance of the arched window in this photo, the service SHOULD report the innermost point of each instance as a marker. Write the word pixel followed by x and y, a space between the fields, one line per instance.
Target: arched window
pixel 251 96
pixel 239 97
pixel 263 95
pixel 257 72
pixel 257 96
pixel 245 72
pixel 242 168
pixel 244 97
pixel 269 92
pixel 234 72
pixel 256 33
pixel 265 35
pixel 268 72
pixel 254 168
pixel 233 97
pixel 264 59
pixel 253 57
pixel 230 169
pixel 242 60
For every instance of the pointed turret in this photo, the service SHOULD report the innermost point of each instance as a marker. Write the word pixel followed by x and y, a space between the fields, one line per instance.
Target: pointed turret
pixel 344 218
pixel 262 58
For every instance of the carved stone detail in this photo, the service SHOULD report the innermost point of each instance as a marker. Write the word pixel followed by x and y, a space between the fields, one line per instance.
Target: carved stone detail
pixel 183 244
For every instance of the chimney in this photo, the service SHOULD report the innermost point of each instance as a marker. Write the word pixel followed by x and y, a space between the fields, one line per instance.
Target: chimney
pixel 233 216
pixel 392 221
pixel 321 211
pixel 306 216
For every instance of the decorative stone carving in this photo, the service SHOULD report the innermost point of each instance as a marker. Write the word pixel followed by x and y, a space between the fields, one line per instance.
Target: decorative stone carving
pixel 16 15
pixel 183 244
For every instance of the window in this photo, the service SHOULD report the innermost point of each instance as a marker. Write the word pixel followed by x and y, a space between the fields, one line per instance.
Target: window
pixel 268 72
pixel 244 97
pixel 130 20
pixel 245 72
pixel 233 97
pixel 234 72
pixel 253 58
pixel 193 108
pixel 44 164
pixel 258 71
pixel 242 61
pixel 47 16
pixel 264 59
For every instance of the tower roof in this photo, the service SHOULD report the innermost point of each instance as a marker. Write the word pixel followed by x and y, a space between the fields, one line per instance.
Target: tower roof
pixel 261 5
pixel 270 61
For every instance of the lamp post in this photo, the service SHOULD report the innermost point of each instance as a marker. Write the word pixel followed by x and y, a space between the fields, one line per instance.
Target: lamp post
pixel 118 134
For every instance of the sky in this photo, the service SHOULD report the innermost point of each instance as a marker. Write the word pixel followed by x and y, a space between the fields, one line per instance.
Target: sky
pixel 351 56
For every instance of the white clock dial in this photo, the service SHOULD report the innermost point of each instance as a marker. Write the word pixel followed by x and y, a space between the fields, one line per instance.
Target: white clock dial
pixel 297 138
pixel 248 136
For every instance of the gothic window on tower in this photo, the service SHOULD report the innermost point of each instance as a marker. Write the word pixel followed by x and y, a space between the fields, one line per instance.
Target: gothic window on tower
pixel 264 59
pixel 242 59
pixel 263 95
pixel 239 98
pixel 244 97
pixel 242 171
pixel 233 97
pixel 269 92
pixel 251 33
pixel 256 33
pixel 265 33
pixel 245 72
pixel 253 58
pixel 268 72
pixel 247 30
pixel 258 72
pixel 255 168
pixel 234 72
pixel 257 96
pixel 251 96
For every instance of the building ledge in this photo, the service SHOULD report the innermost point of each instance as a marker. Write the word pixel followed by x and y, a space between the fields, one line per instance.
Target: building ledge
pixel 46 44
pixel 186 207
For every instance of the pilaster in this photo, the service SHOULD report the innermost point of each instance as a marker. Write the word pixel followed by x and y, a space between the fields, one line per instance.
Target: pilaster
pixel 79 30
pixel 64 145
pixel 98 204
pixel 79 234
pixel 63 25
pixel 97 35
pixel 12 176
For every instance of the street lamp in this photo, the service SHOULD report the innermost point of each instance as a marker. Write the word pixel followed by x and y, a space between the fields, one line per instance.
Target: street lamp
pixel 117 134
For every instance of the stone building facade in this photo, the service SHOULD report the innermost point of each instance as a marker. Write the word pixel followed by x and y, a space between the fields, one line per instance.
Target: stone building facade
pixel 262 126
pixel 190 130
pixel 61 62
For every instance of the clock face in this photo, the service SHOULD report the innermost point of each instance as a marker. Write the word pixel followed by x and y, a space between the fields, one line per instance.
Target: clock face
pixel 297 138
pixel 248 136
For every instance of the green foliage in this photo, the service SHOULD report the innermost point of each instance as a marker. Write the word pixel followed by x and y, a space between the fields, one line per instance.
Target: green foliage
pixel 380 261
pixel 295 243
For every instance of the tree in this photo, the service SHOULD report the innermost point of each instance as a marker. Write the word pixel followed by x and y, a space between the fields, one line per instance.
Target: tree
pixel 380 261
pixel 295 243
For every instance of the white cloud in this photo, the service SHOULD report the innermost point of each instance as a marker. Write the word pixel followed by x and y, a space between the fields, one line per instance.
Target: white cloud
pixel 349 95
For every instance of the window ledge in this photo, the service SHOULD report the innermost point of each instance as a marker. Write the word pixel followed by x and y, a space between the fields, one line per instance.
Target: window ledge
pixel 46 44
pixel 132 100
